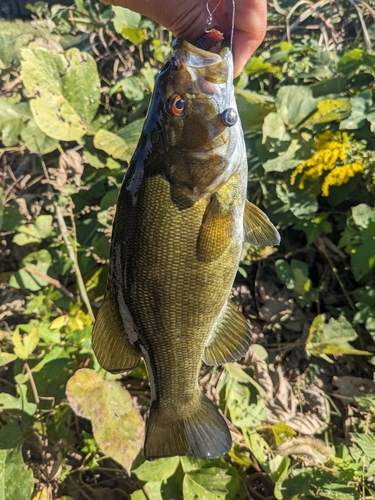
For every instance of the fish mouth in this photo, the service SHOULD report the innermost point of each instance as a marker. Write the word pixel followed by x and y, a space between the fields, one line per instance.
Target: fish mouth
pixel 215 68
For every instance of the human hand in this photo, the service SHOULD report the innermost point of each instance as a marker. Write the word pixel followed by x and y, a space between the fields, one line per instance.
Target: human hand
pixel 187 20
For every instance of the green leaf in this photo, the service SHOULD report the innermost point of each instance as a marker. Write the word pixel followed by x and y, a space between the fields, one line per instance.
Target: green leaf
pixel 256 66
pixel 209 484
pixel 16 482
pixel 363 215
pixel 360 105
pixel 366 442
pixel 64 91
pixel 157 470
pixel 117 426
pixel 120 146
pixel 36 264
pixel 275 136
pixel 7 50
pixel 295 104
pixel 25 345
pixel 34 233
pixel 11 121
pixel 331 338
pixel 329 110
pixel 36 140
pixel 253 108
pixel 243 412
pixel 6 357
pixel 9 402
pixel 133 87
pixel 352 61
pixel 126 22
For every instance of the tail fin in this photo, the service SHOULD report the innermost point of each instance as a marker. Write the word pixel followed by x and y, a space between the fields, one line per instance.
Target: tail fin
pixel 203 434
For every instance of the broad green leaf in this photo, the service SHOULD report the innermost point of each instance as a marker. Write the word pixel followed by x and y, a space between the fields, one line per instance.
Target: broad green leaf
pixel 16 482
pixel 126 22
pixel 244 411
pixel 64 91
pixel 331 338
pixel 275 136
pixel 7 50
pixel 279 468
pixel 236 372
pixel 9 402
pixel 31 276
pixel 363 215
pixel 120 146
pixel 117 426
pixel 157 470
pixel 12 117
pixel 80 84
pixel 256 444
pixel 295 104
pixel 34 233
pixel 133 87
pixel 298 150
pixel 36 140
pixel 256 66
pixel 362 257
pixel 253 108
pixel 360 107
pixel 284 273
pixel 352 61
pixel 7 357
pixel 329 110
pixel 211 483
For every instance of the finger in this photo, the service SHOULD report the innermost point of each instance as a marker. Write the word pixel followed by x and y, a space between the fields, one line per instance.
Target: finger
pixel 250 30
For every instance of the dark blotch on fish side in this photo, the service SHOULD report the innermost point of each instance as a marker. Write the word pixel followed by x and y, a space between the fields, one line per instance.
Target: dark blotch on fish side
pixel 229 117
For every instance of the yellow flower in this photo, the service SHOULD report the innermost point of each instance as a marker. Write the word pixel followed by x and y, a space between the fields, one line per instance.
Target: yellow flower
pixel 330 153
pixel 340 175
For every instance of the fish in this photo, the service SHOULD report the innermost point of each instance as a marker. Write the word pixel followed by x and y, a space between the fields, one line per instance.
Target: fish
pixel 181 218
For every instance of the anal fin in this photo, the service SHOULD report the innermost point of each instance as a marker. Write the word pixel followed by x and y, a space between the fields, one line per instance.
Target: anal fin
pixel 110 341
pixel 259 230
pixel 230 339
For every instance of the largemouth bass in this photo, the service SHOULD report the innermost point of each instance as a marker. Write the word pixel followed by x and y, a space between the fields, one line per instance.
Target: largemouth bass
pixel 181 218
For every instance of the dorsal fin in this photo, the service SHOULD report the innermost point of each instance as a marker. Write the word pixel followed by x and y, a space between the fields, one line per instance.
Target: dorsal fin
pixel 230 339
pixel 110 340
pixel 259 230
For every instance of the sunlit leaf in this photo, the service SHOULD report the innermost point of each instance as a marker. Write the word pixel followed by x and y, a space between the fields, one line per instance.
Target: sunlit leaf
pixel 16 481
pixel 331 338
pixel 157 470
pixel 117 425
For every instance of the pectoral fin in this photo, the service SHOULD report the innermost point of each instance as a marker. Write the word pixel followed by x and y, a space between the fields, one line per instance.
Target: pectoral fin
pixel 216 231
pixel 230 339
pixel 110 340
pixel 259 230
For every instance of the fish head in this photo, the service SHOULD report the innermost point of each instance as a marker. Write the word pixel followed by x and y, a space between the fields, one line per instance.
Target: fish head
pixel 198 119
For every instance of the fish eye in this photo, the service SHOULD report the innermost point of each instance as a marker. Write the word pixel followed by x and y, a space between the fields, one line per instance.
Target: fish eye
pixel 177 105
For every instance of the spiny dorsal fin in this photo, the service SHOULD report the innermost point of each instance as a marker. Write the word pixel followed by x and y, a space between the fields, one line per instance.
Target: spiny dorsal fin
pixel 259 230
pixel 110 341
pixel 230 339
pixel 216 231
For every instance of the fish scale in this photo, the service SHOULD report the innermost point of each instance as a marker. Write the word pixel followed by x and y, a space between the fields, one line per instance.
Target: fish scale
pixel 180 221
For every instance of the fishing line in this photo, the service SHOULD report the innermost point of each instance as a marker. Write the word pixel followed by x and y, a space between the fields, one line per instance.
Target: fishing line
pixel 36 27
pixel 232 28
pixel 211 13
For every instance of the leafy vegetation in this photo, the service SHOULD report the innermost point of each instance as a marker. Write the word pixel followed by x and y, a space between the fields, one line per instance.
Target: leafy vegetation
pixel 73 95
